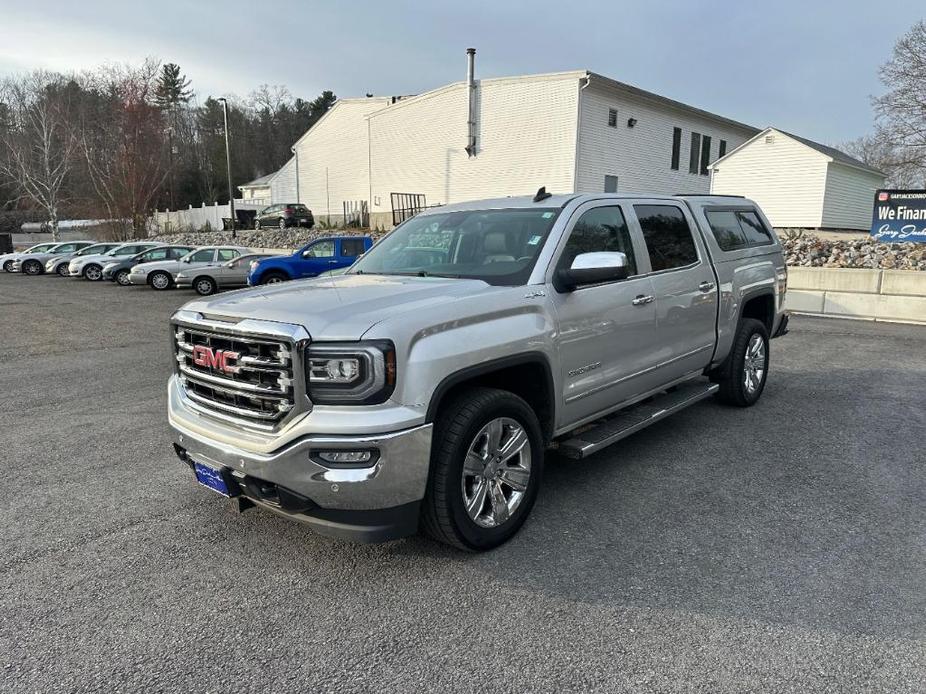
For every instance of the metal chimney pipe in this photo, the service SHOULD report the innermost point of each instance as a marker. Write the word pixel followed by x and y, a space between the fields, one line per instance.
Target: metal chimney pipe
pixel 471 92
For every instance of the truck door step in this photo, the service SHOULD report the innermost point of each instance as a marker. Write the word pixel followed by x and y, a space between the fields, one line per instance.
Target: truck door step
pixel 622 424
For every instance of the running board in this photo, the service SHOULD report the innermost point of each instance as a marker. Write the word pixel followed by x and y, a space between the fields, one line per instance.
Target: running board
pixel 622 424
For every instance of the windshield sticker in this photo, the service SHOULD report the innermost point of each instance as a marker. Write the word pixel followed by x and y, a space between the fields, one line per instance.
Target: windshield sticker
pixel 547 215
pixel 534 240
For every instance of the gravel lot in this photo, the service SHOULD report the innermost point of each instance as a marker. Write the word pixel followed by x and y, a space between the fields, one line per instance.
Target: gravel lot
pixel 781 548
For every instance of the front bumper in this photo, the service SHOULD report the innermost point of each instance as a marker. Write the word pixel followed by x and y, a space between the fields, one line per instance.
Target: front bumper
pixel 364 504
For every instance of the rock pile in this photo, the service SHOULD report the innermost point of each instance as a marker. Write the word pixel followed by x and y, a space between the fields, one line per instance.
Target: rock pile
pixel 812 251
pixel 265 238
pixel 804 250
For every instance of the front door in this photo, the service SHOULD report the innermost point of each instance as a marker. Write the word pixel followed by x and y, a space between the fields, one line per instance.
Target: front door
pixel 606 336
pixel 317 258
pixel 685 287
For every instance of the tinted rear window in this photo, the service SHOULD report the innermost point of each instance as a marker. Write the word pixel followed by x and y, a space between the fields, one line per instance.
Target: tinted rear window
pixel 668 236
pixel 736 229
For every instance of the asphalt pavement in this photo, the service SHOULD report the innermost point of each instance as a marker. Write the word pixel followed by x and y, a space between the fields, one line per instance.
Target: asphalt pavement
pixel 778 548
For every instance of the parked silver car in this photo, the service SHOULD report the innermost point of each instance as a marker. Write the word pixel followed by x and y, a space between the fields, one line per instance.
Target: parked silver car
pixel 161 275
pixel 7 259
pixel 59 264
pixel 90 267
pixel 208 280
pixel 34 263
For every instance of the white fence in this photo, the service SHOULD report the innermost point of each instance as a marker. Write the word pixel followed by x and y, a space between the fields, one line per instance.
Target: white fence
pixel 196 218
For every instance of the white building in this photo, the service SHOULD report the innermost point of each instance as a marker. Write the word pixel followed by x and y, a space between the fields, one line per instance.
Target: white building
pixel 798 182
pixel 569 131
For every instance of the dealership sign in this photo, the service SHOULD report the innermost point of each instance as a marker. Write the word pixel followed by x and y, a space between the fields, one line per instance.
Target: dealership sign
pixel 899 215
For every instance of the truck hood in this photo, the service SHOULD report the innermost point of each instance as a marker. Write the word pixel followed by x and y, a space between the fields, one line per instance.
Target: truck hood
pixel 342 307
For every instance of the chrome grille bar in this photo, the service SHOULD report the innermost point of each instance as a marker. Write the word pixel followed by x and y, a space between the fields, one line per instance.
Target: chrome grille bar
pixel 261 386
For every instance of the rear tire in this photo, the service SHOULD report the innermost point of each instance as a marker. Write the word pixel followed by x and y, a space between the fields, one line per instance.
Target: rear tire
pixel 743 375
pixel 93 272
pixel 204 286
pixel 160 280
pixel 32 267
pixel 479 493
pixel 62 270
pixel 282 225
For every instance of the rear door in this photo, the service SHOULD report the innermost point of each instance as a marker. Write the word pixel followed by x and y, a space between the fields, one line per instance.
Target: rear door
pixel 349 250
pixel 684 285
pixel 607 337
pixel 200 258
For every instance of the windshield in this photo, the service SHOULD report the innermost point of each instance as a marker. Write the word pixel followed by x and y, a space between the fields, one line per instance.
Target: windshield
pixel 496 246
pixel 40 247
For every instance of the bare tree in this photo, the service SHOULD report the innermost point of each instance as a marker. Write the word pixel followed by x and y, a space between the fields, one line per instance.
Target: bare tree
pixel 38 148
pixel 902 169
pixel 901 110
pixel 123 139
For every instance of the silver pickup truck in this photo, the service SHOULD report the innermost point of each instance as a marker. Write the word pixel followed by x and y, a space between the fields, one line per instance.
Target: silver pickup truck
pixel 421 389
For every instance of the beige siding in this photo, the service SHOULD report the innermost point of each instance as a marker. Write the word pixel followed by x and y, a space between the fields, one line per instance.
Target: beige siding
pixel 641 156
pixel 850 194
pixel 333 157
pixel 526 133
pixel 786 178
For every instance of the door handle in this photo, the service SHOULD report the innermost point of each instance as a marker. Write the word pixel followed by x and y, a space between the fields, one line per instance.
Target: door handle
pixel 706 286
pixel 332 262
pixel 643 299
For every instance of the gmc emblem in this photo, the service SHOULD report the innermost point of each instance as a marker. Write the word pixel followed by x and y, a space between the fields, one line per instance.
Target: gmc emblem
pixel 218 359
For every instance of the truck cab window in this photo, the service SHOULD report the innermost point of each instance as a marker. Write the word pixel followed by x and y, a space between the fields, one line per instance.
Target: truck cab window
pixel 667 235
pixel 599 229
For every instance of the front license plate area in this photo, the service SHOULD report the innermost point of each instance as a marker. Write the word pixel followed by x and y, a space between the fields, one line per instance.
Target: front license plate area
pixel 217 480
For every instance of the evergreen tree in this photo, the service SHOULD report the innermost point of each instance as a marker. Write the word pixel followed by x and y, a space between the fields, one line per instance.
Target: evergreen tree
pixel 173 88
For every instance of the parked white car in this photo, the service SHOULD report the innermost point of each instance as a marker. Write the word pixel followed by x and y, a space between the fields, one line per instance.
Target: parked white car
pixel 34 263
pixel 58 264
pixel 91 266
pixel 7 259
pixel 162 274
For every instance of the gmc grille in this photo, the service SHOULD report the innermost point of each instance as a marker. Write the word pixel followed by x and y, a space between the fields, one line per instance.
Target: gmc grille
pixel 259 389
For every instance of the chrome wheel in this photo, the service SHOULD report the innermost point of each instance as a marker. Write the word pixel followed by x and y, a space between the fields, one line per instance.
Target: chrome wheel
pixel 282 225
pixel 93 273
pixel 275 279
pixel 32 267
pixel 122 278
pixel 160 281
pixel 205 287
pixel 496 472
pixel 256 225
pixel 8 266
pixel 754 364
pixel 62 270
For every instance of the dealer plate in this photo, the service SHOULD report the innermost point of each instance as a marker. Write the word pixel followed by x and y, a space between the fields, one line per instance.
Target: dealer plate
pixel 211 477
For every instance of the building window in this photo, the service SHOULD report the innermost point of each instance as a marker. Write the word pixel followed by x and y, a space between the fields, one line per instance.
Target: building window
pixel 723 149
pixel 610 184
pixel 694 158
pixel 705 154
pixel 612 117
pixel 676 147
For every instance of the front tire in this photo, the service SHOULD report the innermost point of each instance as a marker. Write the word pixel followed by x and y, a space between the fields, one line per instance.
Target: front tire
pixel 486 466
pixel 256 225
pixel 742 376
pixel 122 278
pixel 32 267
pixel 8 266
pixel 273 278
pixel 94 273
pixel 160 280
pixel 282 225
pixel 205 286
pixel 62 270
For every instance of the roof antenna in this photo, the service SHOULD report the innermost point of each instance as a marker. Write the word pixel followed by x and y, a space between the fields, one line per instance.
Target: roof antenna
pixel 542 194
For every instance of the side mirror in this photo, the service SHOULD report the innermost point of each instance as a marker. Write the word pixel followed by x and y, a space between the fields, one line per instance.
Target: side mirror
pixel 592 268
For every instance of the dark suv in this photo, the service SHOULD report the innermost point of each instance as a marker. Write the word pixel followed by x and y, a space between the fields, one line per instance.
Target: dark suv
pixel 285 215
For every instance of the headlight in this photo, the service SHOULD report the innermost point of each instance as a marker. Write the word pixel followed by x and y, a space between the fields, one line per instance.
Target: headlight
pixel 358 373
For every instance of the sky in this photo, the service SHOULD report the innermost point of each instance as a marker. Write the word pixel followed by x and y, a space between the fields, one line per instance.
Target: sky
pixel 809 67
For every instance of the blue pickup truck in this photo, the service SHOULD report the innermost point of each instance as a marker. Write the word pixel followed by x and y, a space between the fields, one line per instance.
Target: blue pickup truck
pixel 321 255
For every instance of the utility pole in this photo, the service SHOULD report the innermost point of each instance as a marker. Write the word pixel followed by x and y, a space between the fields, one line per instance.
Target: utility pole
pixel 231 194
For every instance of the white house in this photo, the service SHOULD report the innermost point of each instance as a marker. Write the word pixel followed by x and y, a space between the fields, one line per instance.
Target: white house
pixel 256 190
pixel 569 131
pixel 798 182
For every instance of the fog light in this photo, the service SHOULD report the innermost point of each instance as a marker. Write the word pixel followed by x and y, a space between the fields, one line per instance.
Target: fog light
pixel 346 457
